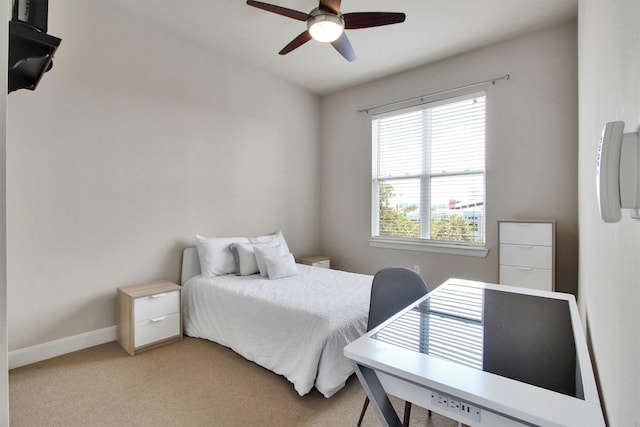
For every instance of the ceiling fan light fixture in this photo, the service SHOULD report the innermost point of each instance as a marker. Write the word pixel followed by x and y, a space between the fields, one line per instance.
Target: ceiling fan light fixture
pixel 326 24
pixel 325 27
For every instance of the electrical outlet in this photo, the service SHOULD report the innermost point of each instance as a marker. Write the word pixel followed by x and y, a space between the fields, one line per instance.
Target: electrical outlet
pixel 454 404
pixel 439 399
pixel 416 268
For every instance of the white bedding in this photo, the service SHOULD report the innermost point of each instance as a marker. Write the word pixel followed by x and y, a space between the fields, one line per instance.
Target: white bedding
pixel 295 326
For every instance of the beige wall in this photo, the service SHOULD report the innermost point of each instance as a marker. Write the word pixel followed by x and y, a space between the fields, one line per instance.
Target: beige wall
pixel 132 144
pixel 532 152
pixel 609 270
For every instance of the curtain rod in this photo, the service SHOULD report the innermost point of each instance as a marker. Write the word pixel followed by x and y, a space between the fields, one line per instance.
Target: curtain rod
pixel 421 97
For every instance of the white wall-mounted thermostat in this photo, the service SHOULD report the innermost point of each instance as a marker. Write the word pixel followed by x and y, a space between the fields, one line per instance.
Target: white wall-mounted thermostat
pixel 617 177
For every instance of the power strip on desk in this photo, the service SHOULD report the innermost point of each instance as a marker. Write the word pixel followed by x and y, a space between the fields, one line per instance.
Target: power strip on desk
pixel 454 406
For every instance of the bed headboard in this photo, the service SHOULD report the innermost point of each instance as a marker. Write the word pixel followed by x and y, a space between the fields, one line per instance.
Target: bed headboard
pixel 190 264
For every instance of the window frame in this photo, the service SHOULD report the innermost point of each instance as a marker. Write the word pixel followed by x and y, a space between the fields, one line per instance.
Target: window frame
pixel 425 244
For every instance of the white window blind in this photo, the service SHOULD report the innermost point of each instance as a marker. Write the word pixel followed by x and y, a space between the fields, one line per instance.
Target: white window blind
pixel 428 180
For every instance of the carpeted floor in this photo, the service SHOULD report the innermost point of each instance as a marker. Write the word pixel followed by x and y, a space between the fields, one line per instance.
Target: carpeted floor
pixel 190 383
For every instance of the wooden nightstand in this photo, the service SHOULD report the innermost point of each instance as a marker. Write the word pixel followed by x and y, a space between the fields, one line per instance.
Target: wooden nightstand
pixel 149 315
pixel 315 261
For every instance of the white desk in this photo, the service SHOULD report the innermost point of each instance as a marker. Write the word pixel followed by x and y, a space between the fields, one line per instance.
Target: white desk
pixel 467 350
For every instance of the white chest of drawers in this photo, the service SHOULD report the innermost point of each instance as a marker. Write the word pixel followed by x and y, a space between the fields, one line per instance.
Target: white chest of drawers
pixel 527 254
pixel 148 315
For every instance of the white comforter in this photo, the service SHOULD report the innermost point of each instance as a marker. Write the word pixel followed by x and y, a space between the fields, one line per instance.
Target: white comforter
pixel 296 326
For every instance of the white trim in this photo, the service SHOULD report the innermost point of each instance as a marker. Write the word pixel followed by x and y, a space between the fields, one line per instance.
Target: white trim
pixel 441 248
pixel 47 350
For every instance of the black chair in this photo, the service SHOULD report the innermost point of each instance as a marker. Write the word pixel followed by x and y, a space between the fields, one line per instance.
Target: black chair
pixel 393 289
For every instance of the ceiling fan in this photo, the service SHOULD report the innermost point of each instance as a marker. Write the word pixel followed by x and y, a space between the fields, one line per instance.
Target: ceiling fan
pixel 326 24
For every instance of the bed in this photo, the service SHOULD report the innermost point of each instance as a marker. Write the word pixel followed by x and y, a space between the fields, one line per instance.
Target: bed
pixel 295 326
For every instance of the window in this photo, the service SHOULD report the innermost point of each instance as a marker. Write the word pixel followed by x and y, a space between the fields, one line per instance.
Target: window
pixel 428 173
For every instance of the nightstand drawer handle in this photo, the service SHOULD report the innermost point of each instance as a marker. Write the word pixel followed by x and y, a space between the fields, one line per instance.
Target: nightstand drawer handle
pixel 158 319
pixel 158 295
pixel 525 268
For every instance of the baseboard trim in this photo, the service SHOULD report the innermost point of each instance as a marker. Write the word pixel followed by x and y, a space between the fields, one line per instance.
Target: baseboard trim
pixel 47 350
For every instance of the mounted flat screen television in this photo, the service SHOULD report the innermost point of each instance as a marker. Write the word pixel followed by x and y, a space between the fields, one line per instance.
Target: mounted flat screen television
pixel 31 49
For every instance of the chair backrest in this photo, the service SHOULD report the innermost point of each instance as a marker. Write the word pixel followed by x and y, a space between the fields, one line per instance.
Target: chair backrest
pixel 393 289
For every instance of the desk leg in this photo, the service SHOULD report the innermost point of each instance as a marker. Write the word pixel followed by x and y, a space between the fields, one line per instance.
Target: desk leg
pixel 377 396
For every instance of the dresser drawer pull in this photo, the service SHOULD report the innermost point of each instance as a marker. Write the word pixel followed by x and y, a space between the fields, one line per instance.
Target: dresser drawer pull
pixel 525 268
pixel 525 246
pixel 158 319
pixel 158 295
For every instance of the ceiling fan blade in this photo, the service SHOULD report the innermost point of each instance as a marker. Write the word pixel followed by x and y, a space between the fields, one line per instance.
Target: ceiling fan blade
pixel 353 21
pixel 330 5
pixel 289 13
pixel 296 43
pixel 343 45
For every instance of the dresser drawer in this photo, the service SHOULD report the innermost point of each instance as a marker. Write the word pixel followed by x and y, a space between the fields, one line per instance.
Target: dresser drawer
pixel 526 256
pixel 156 329
pixel 156 305
pixel 528 277
pixel 526 233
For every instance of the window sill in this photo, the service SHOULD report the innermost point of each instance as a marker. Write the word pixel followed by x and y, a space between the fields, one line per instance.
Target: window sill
pixel 441 248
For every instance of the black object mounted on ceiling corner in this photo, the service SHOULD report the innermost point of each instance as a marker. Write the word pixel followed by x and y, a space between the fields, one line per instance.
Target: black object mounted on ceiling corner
pixel 31 49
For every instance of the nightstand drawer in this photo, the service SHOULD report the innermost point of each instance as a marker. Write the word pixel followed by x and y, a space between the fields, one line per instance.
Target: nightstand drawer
pixel 322 264
pixel 156 329
pixel 156 305
pixel 315 261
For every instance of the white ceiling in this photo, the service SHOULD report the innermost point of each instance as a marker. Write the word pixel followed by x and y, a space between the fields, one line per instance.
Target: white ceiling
pixel 433 30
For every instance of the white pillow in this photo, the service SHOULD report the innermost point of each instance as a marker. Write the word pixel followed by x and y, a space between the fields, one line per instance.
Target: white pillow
pixel 277 238
pixel 280 266
pixel 246 259
pixel 265 250
pixel 248 262
pixel 215 255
